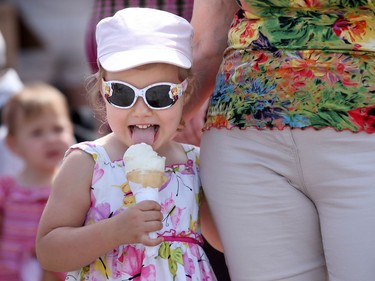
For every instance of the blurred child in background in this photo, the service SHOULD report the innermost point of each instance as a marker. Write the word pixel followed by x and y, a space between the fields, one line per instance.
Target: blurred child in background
pixel 39 132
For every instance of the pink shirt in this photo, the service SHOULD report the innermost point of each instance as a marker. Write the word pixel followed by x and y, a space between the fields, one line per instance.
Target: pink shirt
pixel 21 208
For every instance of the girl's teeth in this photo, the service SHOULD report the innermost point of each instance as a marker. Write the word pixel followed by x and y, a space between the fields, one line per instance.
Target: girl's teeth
pixel 143 126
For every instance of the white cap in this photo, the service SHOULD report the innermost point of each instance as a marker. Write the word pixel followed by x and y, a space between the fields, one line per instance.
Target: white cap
pixel 138 36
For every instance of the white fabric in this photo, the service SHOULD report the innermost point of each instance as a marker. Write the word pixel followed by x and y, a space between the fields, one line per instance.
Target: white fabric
pixel 31 270
pixel 138 36
pixel 281 198
pixel 10 164
pixel 10 84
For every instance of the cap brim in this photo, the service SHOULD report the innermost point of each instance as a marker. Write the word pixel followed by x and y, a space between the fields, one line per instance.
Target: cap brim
pixel 129 59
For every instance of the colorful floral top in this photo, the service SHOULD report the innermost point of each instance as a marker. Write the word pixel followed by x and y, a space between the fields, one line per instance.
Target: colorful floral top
pixel 298 64
pixel 180 256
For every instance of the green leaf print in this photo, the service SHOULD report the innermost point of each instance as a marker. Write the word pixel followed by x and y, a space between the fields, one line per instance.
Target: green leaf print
pixel 84 272
pixel 327 118
pixel 351 3
pixel 174 259
pixel 172 267
pixel 300 29
pixel 174 256
pixel 269 3
pixel 164 250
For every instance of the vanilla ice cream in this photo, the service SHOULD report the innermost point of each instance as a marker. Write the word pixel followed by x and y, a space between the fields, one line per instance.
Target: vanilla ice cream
pixel 141 156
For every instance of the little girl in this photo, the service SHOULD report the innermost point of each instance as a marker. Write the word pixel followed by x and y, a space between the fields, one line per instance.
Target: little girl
pixel 92 226
pixel 39 132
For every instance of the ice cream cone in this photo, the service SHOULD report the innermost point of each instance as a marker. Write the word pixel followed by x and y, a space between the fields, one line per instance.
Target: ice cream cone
pixel 145 184
pixel 145 175
pixel 154 179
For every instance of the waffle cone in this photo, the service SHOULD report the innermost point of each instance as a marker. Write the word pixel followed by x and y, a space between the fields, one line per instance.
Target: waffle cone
pixel 154 179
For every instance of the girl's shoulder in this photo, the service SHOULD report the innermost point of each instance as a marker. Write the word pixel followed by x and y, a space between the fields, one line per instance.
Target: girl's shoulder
pixel 192 151
pixel 88 146
pixel 93 148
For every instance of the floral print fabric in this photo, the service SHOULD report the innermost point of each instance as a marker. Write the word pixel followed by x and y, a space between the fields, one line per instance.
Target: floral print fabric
pixel 298 63
pixel 179 200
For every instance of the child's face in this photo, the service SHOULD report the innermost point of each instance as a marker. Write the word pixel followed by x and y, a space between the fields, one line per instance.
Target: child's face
pixel 141 123
pixel 42 141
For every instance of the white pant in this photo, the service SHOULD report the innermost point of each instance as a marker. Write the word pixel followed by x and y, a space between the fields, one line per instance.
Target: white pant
pixel 293 204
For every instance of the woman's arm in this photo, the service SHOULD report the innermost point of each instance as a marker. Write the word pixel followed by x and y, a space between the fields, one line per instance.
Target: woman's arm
pixel 211 20
pixel 64 243
pixel 208 226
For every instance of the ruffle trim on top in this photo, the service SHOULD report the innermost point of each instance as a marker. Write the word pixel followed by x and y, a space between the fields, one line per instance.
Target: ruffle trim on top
pixel 208 127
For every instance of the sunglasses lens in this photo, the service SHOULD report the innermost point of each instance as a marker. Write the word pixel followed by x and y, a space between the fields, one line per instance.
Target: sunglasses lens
pixel 158 96
pixel 122 95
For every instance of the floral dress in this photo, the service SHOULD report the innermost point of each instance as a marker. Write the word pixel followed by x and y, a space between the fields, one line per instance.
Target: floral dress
pixel 180 256
pixel 298 64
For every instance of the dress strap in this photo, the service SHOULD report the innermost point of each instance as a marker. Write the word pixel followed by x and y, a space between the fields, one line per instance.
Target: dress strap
pixel 95 150
pixel 192 151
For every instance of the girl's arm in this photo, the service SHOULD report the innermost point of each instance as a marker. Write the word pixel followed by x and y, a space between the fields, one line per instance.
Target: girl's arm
pixel 208 226
pixel 211 20
pixel 64 244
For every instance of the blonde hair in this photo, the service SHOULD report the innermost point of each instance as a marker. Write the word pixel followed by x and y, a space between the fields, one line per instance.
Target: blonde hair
pixel 32 101
pixel 93 87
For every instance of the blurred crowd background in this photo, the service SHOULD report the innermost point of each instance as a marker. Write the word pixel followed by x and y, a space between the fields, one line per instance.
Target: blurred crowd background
pixel 45 41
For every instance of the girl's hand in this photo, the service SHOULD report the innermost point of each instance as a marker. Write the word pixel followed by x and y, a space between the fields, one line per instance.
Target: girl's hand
pixel 135 223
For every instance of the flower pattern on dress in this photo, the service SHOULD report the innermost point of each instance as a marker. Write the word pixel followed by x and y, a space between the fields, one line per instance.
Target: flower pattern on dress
pixel 298 64
pixel 173 213
pixel 178 258
pixel 132 265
